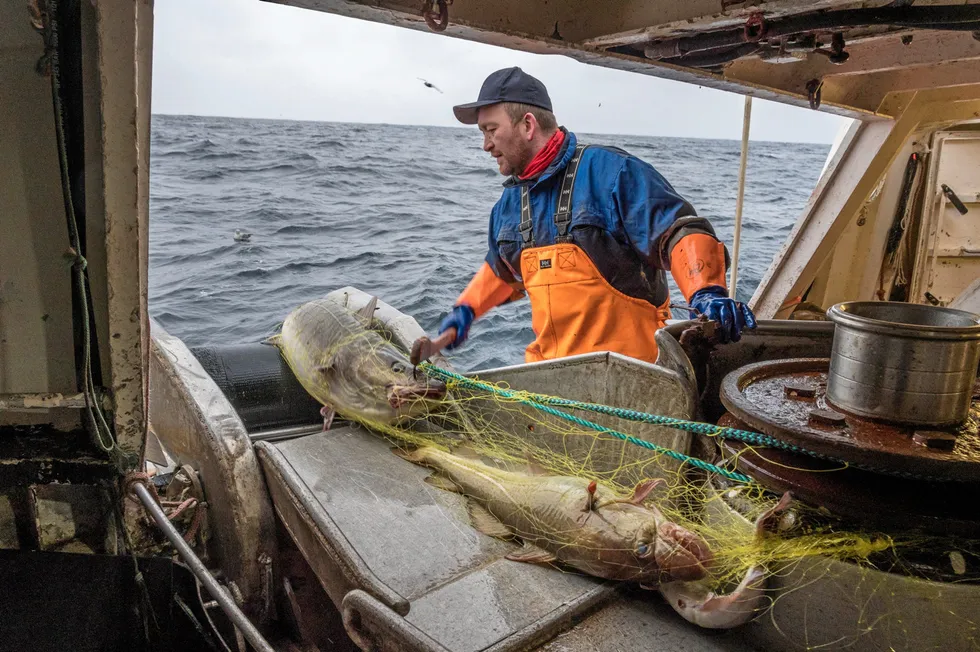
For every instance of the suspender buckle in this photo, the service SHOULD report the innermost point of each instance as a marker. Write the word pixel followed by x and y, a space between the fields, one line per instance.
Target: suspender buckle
pixel 527 225
pixel 526 234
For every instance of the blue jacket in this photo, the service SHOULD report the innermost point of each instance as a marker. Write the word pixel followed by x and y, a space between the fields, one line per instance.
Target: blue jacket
pixel 625 216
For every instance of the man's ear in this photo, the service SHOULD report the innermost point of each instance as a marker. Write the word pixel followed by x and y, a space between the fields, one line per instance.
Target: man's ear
pixel 530 126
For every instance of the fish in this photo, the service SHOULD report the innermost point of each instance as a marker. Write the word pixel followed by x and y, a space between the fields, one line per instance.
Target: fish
pixel 697 604
pixel 570 520
pixel 351 368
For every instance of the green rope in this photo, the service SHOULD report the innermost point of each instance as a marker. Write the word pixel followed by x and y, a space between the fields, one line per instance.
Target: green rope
pixel 541 401
pixel 707 429
pixel 525 398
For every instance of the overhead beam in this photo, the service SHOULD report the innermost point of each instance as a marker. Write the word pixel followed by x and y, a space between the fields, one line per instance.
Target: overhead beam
pixel 871 90
pixel 524 41
pixel 875 68
pixel 592 24
pixel 874 55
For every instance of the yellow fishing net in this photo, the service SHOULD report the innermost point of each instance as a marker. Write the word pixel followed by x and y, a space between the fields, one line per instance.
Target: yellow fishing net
pixel 832 585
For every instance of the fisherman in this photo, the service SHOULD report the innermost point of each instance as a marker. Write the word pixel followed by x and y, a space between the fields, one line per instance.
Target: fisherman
pixel 588 233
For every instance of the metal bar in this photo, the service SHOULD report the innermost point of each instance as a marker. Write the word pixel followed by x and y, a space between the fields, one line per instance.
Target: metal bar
pixel 290 432
pixel 201 572
pixel 46 401
pixel 737 237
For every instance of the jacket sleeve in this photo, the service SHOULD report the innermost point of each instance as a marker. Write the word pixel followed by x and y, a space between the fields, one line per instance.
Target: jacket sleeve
pixel 698 261
pixel 654 216
pixel 486 290
pixel 493 284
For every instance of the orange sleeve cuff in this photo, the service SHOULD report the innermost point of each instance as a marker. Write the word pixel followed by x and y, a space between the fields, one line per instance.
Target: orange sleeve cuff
pixel 487 290
pixel 697 261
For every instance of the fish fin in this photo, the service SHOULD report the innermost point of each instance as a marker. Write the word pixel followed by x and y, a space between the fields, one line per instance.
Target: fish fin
pixel 533 466
pixel 273 340
pixel 367 312
pixel 640 493
pixel 484 521
pixel 644 488
pixel 767 519
pixel 467 452
pixel 532 555
pixel 328 413
pixel 441 482
pixel 414 455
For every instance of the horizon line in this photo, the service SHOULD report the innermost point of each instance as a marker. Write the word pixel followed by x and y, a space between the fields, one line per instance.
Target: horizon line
pixel 465 128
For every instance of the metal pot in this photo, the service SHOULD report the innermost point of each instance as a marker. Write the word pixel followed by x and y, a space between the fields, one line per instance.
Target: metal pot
pixel 902 362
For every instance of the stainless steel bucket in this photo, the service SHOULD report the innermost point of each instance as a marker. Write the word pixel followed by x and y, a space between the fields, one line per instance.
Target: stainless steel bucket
pixel 903 363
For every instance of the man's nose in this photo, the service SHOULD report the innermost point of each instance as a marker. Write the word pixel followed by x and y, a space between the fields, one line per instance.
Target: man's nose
pixel 487 144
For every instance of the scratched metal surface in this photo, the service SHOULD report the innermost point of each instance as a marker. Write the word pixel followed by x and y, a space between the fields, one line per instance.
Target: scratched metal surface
pixel 417 540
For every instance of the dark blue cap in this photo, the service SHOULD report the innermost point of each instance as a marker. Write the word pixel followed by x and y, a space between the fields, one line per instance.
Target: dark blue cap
pixel 507 85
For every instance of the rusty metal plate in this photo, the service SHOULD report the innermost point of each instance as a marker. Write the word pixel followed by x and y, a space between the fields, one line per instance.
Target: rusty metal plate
pixel 869 499
pixel 766 397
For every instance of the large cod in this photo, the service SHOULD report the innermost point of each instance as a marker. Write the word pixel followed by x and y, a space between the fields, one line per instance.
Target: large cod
pixel 572 520
pixel 350 368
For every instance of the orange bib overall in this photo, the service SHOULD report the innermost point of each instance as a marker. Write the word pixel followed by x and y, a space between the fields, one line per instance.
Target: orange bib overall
pixel 573 308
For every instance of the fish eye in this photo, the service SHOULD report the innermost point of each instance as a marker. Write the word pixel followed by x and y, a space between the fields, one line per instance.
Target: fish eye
pixel 642 550
pixel 397 367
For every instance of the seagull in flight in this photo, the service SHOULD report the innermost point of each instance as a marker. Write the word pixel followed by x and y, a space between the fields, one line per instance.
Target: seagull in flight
pixel 429 84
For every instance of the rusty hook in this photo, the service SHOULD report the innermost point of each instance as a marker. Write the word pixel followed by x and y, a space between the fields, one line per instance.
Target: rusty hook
pixel 755 28
pixel 813 92
pixel 432 17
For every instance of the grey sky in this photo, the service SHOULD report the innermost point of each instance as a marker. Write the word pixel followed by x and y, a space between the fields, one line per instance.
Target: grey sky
pixel 248 58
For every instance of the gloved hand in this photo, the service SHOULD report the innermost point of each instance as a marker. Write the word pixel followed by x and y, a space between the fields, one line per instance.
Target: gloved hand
pixel 730 315
pixel 461 318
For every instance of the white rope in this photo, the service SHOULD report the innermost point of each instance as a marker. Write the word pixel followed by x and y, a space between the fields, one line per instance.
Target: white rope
pixel 737 237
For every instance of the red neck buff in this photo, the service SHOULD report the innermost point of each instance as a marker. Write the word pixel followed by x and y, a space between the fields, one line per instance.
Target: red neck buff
pixel 543 158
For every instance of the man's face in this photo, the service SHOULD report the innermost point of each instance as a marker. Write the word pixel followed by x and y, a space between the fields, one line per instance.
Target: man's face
pixel 507 142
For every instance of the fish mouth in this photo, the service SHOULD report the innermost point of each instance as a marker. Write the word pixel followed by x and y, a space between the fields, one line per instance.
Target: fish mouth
pixel 682 554
pixel 401 395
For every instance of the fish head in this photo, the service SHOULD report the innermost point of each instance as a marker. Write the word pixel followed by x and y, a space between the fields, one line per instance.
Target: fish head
pixel 379 384
pixel 667 551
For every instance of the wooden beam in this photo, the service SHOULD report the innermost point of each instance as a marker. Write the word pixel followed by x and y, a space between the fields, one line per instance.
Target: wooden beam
pixel 123 52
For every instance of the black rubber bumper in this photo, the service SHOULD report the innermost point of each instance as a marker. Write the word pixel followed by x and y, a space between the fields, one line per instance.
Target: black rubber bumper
pixel 260 385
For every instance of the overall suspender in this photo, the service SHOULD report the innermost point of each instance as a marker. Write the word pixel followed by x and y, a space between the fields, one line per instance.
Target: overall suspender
pixel 563 213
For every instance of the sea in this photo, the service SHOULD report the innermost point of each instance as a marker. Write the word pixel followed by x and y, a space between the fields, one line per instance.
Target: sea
pixel 397 211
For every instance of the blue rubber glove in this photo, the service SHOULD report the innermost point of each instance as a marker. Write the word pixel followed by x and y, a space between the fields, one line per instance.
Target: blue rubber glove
pixel 461 318
pixel 730 315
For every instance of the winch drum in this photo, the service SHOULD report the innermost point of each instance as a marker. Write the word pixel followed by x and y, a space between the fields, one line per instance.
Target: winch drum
pixel 903 363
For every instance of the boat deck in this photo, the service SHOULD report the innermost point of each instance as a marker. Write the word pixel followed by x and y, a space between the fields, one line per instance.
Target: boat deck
pixel 402 559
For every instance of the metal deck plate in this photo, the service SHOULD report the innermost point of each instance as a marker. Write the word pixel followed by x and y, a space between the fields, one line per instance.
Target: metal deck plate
pixel 411 547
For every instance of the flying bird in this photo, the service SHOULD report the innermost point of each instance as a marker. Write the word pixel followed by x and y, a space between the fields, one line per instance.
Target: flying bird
pixel 429 84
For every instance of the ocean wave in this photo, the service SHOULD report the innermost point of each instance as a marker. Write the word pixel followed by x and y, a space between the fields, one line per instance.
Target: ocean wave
pixel 331 205
pixel 329 143
pixel 202 145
